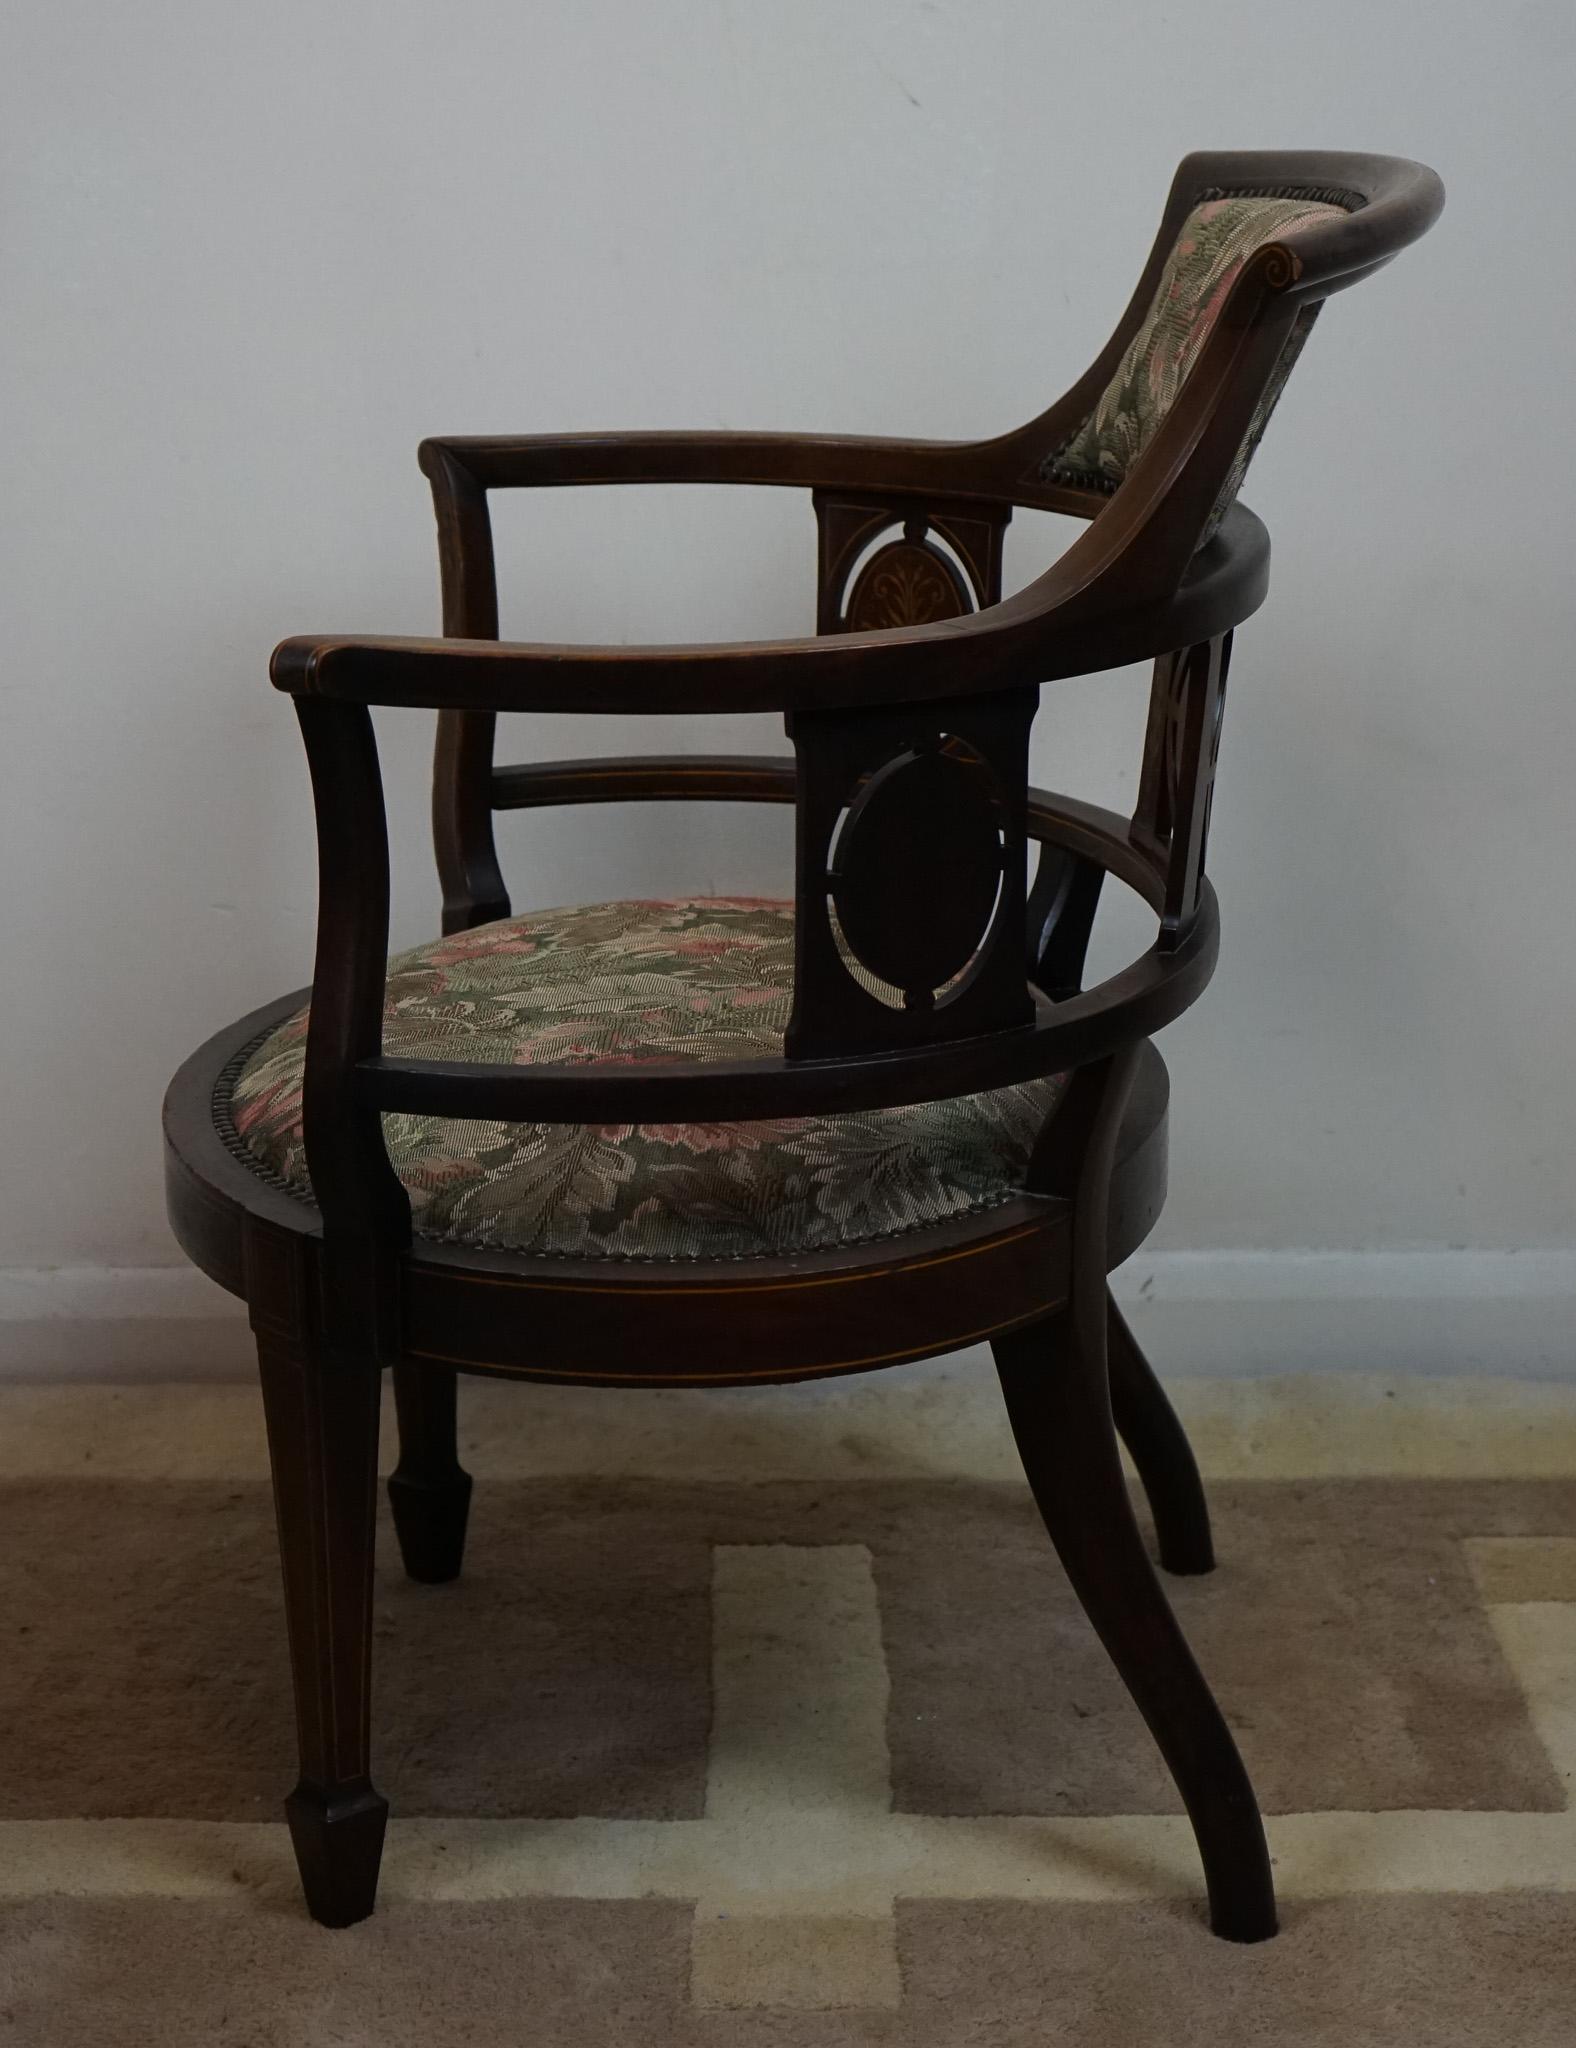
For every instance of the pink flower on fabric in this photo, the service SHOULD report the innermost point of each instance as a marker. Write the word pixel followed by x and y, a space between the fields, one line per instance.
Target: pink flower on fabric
pixel 1212 308
pixel 543 1052
pixel 440 1172
pixel 701 948
pixel 751 1137
pixel 567 1045
pixel 484 940
pixel 281 1099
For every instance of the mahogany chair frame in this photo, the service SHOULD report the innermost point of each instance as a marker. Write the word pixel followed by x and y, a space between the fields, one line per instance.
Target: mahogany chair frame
pixel 340 1287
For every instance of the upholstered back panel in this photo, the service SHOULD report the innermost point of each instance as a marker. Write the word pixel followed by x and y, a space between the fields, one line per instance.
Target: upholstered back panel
pixel 1215 241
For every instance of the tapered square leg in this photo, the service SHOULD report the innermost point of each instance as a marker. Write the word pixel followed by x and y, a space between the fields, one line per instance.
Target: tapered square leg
pixel 429 1490
pixel 338 1847
pixel 322 1415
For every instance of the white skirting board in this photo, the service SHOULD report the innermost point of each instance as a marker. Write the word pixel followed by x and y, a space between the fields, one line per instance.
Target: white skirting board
pixel 1231 1312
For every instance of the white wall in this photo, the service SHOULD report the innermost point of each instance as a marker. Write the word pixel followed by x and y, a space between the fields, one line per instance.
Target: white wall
pixel 252 254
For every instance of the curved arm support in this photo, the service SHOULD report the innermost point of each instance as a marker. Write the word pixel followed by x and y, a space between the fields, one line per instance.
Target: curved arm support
pixel 953 469
pixel 1048 631
pixel 366 1211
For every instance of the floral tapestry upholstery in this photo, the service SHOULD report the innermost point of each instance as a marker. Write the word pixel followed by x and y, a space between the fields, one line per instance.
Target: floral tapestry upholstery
pixel 706 978
pixel 1214 243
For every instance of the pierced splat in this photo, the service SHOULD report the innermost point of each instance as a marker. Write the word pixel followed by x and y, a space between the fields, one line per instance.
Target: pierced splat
pixel 925 828
pixel 910 873
pixel 1176 785
pixel 1060 919
pixel 910 580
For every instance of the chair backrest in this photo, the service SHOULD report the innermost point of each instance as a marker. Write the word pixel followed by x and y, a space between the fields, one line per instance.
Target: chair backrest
pixel 1213 245
pixel 1249 245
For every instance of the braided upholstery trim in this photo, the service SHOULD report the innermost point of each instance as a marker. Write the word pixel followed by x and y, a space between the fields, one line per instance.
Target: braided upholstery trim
pixel 1315 195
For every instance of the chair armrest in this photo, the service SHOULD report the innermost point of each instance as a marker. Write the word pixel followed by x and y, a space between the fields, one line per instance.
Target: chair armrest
pixel 955 469
pixel 1068 622
pixel 908 663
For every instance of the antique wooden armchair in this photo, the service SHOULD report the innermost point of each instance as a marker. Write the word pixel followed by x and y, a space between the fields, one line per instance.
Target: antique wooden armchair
pixel 725 1141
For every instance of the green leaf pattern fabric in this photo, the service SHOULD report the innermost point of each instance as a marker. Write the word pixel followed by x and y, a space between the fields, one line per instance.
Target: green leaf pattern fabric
pixel 703 979
pixel 1216 240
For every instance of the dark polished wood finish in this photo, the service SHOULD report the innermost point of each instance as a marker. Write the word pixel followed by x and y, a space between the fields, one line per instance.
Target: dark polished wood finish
pixel 1054 1378
pixel 908 711
pixel 1147 1423
pixel 694 1322
pixel 429 1489
pixel 322 1416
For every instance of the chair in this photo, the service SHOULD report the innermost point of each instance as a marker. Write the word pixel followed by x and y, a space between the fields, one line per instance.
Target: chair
pixel 727 1140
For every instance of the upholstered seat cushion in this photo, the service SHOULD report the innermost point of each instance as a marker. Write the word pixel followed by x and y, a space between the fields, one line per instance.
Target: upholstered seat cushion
pixel 707 978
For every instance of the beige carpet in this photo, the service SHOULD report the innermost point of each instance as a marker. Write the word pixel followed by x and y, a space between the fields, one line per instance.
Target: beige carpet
pixel 783 1728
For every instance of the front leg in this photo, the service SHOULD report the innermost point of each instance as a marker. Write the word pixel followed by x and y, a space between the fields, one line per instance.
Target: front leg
pixel 322 1416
